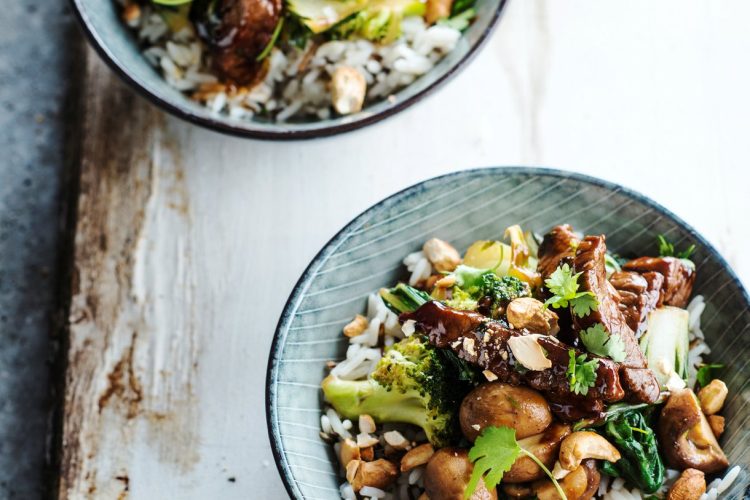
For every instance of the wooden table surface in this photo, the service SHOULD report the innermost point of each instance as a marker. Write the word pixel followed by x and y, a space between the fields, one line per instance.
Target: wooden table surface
pixel 188 242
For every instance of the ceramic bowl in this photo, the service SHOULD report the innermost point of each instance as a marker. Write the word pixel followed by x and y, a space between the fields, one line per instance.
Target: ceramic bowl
pixel 116 45
pixel 462 208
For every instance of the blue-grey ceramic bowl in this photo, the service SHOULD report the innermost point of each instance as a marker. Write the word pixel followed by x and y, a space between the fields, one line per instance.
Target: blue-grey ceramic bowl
pixel 116 45
pixel 461 208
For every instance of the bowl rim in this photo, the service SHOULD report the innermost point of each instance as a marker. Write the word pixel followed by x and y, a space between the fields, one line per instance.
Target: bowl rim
pixel 240 128
pixel 306 278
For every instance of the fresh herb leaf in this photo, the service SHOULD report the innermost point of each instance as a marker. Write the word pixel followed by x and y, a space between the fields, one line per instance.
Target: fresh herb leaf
pixel 564 286
pixel 581 373
pixel 599 342
pixel 403 298
pixel 640 463
pixel 706 373
pixel 460 21
pixel 271 43
pixel 493 454
pixel 667 249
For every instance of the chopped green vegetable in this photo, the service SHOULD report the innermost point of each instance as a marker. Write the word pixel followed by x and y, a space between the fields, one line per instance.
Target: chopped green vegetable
pixel 461 299
pixel 599 342
pixel 581 373
pixel 272 42
pixel 665 344
pixel 564 286
pixel 403 298
pixel 667 249
pixel 493 454
pixel 640 463
pixel 460 6
pixel 412 383
pixel 460 21
pixel 706 373
pixel 321 15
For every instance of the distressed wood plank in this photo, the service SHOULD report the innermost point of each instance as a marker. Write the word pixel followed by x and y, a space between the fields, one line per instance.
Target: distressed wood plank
pixel 188 242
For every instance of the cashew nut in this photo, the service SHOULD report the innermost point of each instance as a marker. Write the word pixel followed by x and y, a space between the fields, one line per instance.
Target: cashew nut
pixel 716 422
pixel 379 474
pixel 689 486
pixel 712 396
pixel 529 353
pixel 348 88
pixel 349 451
pixel 442 255
pixel 357 326
pixel 416 457
pixel 586 444
pixel 366 424
pixel 397 440
pixel 529 313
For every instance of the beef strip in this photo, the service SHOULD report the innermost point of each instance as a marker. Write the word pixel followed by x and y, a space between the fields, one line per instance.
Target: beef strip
pixel 557 248
pixel 679 277
pixel 641 386
pixel 639 295
pixel 484 342
pixel 237 31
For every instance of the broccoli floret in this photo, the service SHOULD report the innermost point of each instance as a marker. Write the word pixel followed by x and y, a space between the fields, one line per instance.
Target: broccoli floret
pixel 413 383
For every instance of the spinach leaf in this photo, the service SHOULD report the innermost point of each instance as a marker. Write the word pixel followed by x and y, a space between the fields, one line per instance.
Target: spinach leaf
pixel 640 463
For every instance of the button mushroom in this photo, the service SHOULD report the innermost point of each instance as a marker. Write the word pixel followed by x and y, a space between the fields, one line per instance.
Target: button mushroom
pixel 543 446
pixel 686 435
pixel 580 484
pixel 586 444
pixel 529 313
pixel 448 473
pixel 497 404
pixel 691 485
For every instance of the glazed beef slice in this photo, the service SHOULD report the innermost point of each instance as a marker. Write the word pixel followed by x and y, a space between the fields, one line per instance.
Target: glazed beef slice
pixel 679 277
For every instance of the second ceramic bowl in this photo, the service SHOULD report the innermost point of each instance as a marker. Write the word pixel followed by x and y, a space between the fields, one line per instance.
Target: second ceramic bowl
pixel 117 46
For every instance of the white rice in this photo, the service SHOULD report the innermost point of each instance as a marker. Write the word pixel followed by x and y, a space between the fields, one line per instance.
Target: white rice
pixel 296 84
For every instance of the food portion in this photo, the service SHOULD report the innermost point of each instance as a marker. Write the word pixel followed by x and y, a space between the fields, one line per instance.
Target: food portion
pixel 296 59
pixel 537 367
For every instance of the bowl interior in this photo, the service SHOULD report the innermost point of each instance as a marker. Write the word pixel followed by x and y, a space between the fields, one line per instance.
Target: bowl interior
pixel 462 208
pixel 116 43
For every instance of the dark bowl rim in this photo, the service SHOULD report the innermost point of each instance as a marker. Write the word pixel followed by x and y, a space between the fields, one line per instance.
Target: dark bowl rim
pixel 225 127
pixel 305 278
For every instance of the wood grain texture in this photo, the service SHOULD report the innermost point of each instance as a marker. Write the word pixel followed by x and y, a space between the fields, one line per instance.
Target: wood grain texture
pixel 189 242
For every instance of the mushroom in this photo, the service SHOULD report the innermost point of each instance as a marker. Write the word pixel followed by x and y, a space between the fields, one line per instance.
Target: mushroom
pixel 378 474
pixel 531 314
pixel 543 446
pixel 581 445
pixel 688 439
pixel 691 485
pixel 580 484
pixel 497 404
pixel 517 490
pixel 447 474
pixel 712 396
pixel 441 255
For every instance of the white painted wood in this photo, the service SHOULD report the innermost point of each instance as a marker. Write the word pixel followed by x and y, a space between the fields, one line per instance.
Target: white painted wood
pixel 205 235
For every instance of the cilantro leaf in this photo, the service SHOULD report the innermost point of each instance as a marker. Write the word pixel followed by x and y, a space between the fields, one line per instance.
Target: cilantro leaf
pixel 667 249
pixel 564 286
pixel 583 303
pixel 493 454
pixel 598 341
pixel 581 373
pixel 706 373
